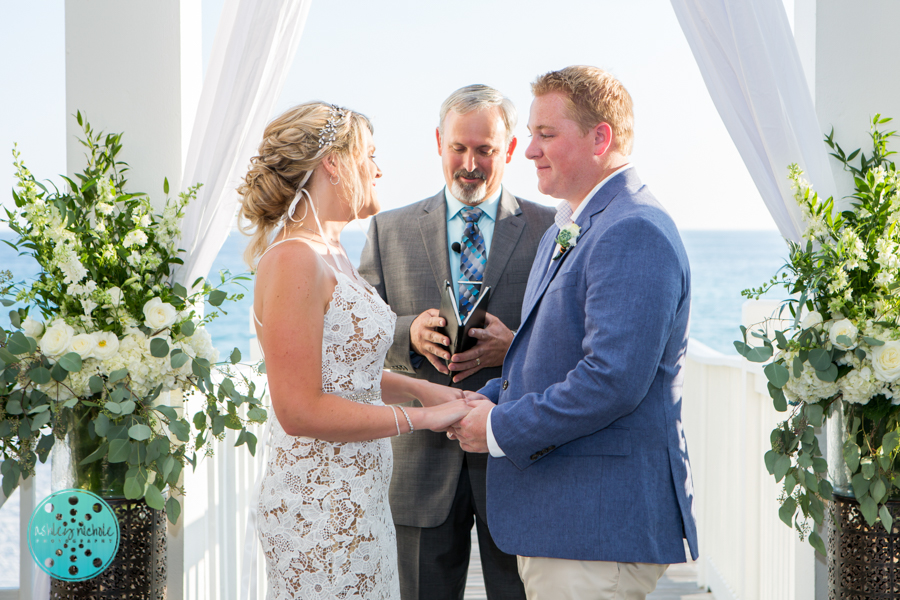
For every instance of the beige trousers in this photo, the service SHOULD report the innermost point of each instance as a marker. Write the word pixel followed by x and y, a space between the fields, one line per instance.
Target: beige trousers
pixel 561 579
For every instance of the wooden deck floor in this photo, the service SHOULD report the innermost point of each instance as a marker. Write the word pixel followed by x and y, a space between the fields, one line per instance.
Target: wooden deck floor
pixel 679 582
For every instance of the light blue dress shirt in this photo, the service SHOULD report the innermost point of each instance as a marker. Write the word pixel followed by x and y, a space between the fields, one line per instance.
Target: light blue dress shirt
pixel 456 226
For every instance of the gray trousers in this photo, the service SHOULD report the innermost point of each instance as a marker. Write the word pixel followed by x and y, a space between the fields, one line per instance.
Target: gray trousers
pixel 434 561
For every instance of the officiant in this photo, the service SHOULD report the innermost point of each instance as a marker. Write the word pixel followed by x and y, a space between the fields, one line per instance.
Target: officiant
pixel 475 234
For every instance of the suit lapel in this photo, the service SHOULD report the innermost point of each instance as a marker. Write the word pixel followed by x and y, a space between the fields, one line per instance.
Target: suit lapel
pixel 596 205
pixel 507 231
pixel 433 227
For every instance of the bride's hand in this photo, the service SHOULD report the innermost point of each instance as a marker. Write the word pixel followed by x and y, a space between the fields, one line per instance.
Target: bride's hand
pixel 442 416
pixel 435 395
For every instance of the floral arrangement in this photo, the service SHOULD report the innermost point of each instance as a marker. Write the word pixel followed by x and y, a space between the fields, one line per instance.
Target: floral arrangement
pixel 103 335
pixel 840 359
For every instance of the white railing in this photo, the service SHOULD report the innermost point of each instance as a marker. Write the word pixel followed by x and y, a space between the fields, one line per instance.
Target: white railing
pixel 746 551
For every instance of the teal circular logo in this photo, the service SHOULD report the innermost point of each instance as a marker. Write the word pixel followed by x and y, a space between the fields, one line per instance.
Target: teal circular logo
pixel 73 535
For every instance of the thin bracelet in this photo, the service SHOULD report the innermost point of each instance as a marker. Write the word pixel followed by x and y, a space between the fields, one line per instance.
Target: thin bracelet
pixel 396 422
pixel 408 420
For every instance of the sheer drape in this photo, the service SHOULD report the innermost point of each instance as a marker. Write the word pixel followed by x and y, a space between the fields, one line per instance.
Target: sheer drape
pixel 749 61
pixel 254 47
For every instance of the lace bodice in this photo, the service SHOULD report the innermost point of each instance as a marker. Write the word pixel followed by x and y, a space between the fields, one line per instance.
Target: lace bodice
pixel 359 330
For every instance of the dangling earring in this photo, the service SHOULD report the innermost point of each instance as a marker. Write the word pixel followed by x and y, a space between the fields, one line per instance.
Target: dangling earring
pixel 333 182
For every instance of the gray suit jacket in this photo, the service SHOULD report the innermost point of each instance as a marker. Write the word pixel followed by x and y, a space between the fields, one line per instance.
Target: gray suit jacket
pixel 406 260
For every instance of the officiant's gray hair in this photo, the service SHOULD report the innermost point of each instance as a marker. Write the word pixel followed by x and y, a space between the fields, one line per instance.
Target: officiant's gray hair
pixel 477 97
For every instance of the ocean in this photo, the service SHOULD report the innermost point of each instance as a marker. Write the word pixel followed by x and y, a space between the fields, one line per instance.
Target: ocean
pixel 722 264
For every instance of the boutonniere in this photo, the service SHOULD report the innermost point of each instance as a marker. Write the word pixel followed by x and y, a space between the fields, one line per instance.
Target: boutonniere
pixel 567 238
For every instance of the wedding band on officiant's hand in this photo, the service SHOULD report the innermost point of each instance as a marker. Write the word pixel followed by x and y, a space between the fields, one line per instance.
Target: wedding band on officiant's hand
pixel 477 362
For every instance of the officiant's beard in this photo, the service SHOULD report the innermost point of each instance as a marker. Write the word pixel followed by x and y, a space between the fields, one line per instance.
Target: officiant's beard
pixel 472 194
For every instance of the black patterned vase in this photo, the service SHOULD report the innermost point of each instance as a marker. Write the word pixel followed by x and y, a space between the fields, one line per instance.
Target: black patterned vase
pixel 863 560
pixel 138 571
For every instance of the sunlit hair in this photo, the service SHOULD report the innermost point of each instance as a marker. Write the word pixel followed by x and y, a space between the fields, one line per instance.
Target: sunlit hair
pixel 593 96
pixel 288 152
pixel 477 97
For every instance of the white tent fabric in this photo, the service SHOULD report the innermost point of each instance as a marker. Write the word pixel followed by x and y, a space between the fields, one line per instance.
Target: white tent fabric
pixel 254 47
pixel 748 58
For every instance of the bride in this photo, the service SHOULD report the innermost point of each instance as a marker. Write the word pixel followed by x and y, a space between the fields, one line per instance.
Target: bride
pixel 324 520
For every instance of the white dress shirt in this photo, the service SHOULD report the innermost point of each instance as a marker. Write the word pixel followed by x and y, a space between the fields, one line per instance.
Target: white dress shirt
pixel 564 216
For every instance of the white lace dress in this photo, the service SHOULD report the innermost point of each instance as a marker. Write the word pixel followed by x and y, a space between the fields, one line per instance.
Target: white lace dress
pixel 324 519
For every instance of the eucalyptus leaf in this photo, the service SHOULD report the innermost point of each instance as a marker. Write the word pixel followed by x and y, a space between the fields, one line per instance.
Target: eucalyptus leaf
pixel 71 362
pixel 759 354
pixel 868 468
pixel 869 509
pixel 127 407
pixel 173 509
pixel 167 411
pixel 787 510
pixel 814 413
pixel 825 489
pixel 819 359
pixel 119 451
pixel 96 384
pixel 101 425
pixel 829 375
pixel 18 343
pixel 159 348
pixel 872 341
pixel 40 375
pixel 781 467
pixel 798 367
pixel 217 297
pixel 58 373
pixel 117 375
pixel 860 485
pixel 140 432
pixel 154 498
pixel 113 407
pixel 770 457
pixel 886 519
pixel 235 356
pixel 180 429
pixel 878 490
pixel 188 328
pixel 177 361
pixel 889 441
pixel 777 374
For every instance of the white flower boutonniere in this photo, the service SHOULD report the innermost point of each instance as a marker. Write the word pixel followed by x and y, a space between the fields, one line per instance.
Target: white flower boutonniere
pixel 567 238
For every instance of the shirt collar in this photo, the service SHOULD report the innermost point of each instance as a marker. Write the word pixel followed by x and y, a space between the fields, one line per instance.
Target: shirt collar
pixel 489 206
pixel 564 213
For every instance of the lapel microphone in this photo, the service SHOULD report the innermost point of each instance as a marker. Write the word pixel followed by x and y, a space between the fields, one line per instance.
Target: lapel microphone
pixel 456 247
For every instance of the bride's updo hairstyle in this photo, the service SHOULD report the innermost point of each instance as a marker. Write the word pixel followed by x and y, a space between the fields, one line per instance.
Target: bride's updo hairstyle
pixel 294 145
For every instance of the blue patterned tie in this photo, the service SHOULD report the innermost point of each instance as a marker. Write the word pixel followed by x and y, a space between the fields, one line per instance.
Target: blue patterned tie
pixel 472 260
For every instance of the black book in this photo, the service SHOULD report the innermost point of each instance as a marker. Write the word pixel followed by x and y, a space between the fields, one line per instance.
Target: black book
pixel 457 328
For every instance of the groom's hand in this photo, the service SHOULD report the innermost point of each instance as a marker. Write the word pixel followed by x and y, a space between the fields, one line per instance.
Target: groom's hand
pixel 470 430
pixel 493 342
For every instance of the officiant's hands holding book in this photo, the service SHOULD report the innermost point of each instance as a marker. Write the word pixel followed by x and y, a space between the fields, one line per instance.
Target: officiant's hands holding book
pixel 493 342
pixel 427 341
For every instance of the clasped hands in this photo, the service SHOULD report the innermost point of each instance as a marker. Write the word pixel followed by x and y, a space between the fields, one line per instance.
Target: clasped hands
pixel 471 429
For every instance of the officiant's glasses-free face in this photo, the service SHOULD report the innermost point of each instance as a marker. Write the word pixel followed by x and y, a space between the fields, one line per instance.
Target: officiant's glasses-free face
pixel 474 153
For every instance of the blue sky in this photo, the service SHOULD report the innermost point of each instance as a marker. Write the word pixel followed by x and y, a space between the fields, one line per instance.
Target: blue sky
pixel 396 62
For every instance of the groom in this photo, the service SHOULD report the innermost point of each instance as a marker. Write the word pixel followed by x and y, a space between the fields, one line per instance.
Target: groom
pixel 589 481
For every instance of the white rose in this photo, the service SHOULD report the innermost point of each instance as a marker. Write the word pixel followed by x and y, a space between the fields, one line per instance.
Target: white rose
pixel 56 338
pixel 32 328
pixel 843 327
pixel 159 314
pixel 83 344
pixel 811 320
pixel 115 295
pixel 106 344
pixel 886 361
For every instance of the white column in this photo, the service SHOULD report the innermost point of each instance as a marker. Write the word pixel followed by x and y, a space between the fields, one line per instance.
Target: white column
pixel 848 51
pixel 135 67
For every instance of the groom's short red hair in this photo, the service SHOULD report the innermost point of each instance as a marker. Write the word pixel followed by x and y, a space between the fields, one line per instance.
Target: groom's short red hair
pixel 593 97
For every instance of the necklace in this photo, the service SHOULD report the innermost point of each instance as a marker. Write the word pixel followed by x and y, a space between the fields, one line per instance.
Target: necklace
pixel 317 234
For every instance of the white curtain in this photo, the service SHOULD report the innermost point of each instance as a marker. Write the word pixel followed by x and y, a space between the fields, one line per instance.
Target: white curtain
pixel 749 61
pixel 254 47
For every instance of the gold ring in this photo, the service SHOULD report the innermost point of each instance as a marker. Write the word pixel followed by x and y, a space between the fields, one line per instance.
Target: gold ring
pixel 477 362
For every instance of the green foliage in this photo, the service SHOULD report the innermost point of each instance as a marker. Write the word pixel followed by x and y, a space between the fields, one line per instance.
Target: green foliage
pixel 840 351
pixel 106 261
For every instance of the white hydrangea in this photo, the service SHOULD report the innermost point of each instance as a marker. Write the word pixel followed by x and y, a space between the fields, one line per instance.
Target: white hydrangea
pixel 808 387
pixel 201 342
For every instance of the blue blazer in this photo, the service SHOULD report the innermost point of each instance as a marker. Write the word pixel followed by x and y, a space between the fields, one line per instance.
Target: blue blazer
pixel 589 402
